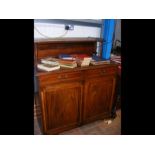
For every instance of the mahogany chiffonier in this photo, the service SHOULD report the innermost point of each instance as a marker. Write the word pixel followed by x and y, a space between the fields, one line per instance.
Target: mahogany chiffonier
pixel 72 97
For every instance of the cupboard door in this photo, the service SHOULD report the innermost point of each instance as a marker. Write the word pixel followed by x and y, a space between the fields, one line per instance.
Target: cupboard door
pixel 98 98
pixel 61 106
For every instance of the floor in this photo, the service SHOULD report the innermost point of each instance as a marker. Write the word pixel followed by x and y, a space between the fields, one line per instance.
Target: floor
pixel 100 127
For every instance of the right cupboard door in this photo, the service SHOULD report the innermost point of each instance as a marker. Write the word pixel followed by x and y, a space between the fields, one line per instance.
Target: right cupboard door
pixel 98 98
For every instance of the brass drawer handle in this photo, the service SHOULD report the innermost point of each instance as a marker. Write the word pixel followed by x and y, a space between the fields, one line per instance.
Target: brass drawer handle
pixel 103 72
pixel 59 77
pixel 66 76
pixel 63 77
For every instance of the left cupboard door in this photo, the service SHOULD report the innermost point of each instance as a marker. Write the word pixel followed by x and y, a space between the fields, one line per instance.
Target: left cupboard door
pixel 61 104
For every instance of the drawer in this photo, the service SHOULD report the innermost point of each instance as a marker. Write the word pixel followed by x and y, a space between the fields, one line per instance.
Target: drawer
pixel 100 72
pixel 59 77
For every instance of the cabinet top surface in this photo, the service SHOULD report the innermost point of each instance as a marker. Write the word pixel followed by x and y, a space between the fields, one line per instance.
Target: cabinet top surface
pixel 89 39
pixel 63 70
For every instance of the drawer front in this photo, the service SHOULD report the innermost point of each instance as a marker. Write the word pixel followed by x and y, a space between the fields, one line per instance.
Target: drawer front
pixel 100 72
pixel 59 77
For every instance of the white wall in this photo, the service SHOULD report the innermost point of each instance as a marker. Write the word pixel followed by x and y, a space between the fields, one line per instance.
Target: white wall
pixel 56 30
pixel 118 30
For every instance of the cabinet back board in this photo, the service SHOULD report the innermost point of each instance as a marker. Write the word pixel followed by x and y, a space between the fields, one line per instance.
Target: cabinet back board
pixel 54 47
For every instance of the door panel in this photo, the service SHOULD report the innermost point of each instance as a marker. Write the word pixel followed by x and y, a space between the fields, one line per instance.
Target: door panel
pixel 98 97
pixel 61 106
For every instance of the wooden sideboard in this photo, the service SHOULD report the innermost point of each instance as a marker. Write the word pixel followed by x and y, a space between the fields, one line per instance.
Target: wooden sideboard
pixel 73 97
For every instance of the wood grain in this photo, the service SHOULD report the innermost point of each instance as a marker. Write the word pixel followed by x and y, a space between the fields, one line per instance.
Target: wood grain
pixel 73 97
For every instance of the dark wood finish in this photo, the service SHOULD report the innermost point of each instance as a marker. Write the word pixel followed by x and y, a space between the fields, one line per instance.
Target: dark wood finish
pixel 98 97
pixel 37 107
pixel 67 40
pixel 60 77
pixel 72 97
pixel 61 106
pixel 106 67
pixel 54 47
pixel 99 72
